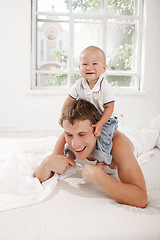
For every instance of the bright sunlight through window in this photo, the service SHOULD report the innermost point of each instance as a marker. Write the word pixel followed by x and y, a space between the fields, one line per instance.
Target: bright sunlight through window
pixel 61 29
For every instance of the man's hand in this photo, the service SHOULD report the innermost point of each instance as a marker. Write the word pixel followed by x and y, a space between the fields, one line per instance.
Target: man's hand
pixel 91 172
pixel 59 164
pixel 70 155
pixel 53 164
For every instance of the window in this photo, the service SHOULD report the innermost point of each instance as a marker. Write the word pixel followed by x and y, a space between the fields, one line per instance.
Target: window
pixel 61 29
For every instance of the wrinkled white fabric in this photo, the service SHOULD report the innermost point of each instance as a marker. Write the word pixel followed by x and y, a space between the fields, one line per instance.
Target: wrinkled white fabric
pixel 20 157
pixel 155 124
pixel 18 160
pixel 143 140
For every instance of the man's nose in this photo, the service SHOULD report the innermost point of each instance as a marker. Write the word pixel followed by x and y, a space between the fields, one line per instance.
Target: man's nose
pixel 76 142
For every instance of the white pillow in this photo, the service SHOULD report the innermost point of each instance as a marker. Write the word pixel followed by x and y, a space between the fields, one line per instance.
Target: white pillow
pixel 158 142
pixel 155 123
pixel 143 139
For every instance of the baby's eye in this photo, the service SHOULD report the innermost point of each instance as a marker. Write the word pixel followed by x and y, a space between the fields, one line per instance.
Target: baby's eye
pixel 84 64
pixel 95 63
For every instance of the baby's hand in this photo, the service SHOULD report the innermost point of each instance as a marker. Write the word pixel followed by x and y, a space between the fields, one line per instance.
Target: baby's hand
pixel 98 130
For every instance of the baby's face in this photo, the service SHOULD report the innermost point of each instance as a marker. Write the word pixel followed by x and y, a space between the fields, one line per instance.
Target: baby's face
pixel 92 64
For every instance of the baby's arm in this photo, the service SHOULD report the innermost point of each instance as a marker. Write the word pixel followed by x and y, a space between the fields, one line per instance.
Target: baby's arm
pixel 67 101
pixel 108 110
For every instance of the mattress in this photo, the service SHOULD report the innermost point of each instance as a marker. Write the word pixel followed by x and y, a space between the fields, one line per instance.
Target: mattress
pixel 65 207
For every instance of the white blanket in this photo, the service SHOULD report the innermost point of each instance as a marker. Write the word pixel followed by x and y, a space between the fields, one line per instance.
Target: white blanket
pixel 19 158
pixel 79 211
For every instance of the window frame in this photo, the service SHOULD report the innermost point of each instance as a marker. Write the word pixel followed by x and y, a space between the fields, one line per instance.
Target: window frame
pixel 70 69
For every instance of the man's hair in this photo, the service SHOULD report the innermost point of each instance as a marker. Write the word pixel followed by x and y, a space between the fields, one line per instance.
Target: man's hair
pixel 81 110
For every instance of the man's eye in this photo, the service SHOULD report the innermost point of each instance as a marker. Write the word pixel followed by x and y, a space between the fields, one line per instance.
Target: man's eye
pixel 68 135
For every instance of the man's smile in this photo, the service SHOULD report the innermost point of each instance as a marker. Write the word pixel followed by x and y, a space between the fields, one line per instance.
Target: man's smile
pixel 80 150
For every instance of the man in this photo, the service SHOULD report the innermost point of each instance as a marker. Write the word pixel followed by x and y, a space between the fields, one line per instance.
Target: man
pixel 78 120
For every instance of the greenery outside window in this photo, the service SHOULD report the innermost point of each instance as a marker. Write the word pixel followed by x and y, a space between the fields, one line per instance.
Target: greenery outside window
pixel 61 29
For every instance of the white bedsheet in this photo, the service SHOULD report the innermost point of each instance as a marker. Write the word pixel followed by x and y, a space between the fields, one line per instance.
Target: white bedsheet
pixel 78 211
pixel 19 158
pixel 65 207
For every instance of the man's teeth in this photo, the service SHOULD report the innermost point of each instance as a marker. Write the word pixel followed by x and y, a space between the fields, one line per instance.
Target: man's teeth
pixel 79 150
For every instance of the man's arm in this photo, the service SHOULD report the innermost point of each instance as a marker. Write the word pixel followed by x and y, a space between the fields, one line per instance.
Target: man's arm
pixel 56 162
pixel 131 188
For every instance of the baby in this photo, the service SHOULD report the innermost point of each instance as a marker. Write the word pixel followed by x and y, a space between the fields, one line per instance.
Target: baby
pixel 95 88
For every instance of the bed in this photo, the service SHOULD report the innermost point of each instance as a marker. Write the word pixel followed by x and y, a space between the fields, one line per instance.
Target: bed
pixel 65 207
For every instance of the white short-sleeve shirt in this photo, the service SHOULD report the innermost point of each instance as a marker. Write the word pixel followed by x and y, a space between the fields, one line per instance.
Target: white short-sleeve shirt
pixel 99 95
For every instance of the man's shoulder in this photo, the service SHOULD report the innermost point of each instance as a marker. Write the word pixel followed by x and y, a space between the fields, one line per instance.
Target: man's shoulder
pixel 120 138
pixel 123 149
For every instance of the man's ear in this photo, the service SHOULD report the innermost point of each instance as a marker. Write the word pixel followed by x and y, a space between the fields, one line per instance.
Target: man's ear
pixel 105 66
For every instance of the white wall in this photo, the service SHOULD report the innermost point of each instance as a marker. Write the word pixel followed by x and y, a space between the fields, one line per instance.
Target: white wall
pixel 22 111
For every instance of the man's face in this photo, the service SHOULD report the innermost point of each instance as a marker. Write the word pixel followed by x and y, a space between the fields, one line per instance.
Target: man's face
pixel 80 138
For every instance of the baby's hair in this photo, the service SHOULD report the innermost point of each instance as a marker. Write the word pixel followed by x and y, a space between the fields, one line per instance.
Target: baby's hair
pixel 95 48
